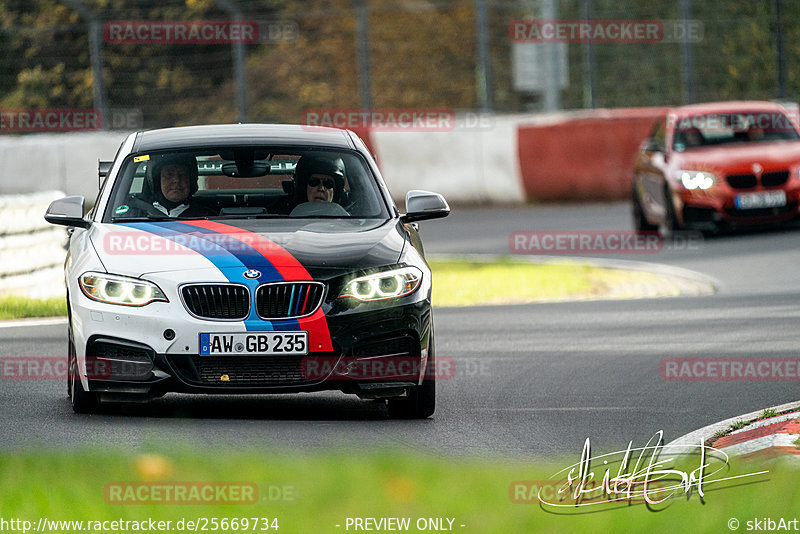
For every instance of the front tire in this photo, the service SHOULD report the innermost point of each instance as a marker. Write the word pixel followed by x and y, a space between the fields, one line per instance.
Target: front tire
pixel 82 400
pixel 421 400
pixel 670 224
pixel 70 352
pixel 640 223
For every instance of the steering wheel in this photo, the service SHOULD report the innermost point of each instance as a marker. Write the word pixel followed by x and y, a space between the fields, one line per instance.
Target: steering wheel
pixel 148 208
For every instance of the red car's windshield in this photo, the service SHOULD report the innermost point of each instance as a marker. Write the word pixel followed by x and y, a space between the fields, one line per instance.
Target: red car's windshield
pixel 710 129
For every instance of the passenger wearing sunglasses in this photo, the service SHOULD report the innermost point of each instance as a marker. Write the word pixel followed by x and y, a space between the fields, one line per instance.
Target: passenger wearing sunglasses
pixel 320 188
pixel 318 179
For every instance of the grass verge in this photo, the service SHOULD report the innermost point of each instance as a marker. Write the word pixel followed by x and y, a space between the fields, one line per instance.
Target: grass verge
pixel 21 307
pixel 469 283
pixel 315 493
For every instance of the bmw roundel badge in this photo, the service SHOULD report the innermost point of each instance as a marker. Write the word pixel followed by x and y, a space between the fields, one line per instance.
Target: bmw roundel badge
pixel 252 274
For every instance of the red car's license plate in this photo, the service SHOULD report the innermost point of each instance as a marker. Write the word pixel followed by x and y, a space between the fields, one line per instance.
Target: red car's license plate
pixel 770 199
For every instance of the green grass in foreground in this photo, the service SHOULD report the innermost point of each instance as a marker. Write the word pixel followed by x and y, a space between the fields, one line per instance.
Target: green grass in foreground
pixel 466 283
pixel 332 486
pixel 21 307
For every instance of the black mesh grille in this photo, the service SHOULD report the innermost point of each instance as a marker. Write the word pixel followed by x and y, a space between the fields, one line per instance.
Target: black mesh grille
pixel 772 179
pixel 217 301
pixel 245 371
pixel 113 351
pixel 295 299
pixel 232 371
pixel 742 181
pixel 249 370
pixel 109 360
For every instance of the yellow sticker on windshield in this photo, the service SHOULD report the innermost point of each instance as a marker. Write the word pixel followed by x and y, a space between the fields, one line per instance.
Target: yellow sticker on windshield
pixel 137 159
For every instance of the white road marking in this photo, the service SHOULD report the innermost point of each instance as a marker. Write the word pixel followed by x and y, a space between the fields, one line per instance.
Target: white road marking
pixel 50 321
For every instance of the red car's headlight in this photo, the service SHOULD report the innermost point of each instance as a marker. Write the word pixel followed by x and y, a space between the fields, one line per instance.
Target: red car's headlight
pixel 692 180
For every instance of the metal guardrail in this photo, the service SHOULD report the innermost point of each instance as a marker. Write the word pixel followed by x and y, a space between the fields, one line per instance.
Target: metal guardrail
pixel 32 251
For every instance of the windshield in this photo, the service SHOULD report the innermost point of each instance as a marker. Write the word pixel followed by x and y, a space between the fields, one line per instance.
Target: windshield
pixel 702 130
pixel 245 182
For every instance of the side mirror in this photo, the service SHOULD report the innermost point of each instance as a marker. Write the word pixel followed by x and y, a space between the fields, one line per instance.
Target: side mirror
pixel 424 205
pixel 67 211
pixel 653 145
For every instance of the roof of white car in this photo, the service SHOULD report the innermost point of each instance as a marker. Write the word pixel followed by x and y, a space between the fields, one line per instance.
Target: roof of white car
pixel 242 135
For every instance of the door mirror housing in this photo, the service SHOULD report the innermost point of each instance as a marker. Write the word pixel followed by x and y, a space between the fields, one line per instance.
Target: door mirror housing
pixel 424 205
pixel 67 211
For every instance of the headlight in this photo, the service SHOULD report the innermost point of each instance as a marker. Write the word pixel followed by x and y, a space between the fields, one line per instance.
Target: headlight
pixel 385 285
pixel 692 180
pixel 113 289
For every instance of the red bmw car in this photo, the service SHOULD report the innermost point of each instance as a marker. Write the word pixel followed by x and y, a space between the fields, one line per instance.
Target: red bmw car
pixel 717 165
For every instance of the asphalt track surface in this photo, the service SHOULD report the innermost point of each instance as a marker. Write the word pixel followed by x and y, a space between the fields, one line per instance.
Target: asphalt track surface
pixel 532 380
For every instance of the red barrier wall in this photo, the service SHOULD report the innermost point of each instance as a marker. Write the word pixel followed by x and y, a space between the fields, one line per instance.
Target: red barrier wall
pixel 589 157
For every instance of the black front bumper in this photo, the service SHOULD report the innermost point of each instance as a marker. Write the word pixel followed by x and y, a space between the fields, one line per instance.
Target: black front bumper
pixel 136 372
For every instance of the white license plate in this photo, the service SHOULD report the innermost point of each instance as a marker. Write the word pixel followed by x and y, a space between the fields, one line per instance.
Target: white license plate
pixel 751 201
pixel 254 343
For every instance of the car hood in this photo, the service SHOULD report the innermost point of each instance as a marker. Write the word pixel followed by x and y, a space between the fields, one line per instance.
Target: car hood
pixel 283 247
pixel 738 157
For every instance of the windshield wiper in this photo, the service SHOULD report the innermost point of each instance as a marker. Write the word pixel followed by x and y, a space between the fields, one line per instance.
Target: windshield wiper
pixel 140 219
pixel 323 217
pixel 164 218
pixel 248 216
